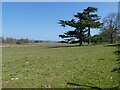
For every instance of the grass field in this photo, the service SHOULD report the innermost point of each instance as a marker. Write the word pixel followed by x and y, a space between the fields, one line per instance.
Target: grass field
pixel 64 66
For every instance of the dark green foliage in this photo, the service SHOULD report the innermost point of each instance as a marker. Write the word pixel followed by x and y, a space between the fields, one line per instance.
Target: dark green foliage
pixel 22 41
pixel 97 39
pixel 14 41
pixel 92 20
pixel 10 40
pixel 84 22
pixel 3 40
pixel 77 32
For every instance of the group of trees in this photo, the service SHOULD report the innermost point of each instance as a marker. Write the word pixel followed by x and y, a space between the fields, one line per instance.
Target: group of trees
pixel 110 28
pixel 87 20
pixel 82 23
pixel 19 41
pixel 15 41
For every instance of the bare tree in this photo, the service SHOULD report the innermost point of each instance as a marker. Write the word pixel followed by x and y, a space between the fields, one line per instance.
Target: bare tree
pixel 110 27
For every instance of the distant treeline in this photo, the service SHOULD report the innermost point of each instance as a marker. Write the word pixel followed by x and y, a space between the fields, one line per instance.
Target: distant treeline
pixel 19 41
pixel 96 39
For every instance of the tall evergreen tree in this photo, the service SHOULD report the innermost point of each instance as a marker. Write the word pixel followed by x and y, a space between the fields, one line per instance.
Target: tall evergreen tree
pixel 85 21
pixel 92 20
pixel 78 26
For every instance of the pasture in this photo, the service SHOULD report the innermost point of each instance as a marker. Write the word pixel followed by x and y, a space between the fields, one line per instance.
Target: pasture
pixel 64 66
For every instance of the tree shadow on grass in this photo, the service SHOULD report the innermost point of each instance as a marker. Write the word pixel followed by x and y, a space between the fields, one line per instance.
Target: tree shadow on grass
pixel 114 70
pixel 112 45
pixel 64 46
pixel 101 59
pixel 117 69
pixel 118 56
pixel 118 59
pixel 93 87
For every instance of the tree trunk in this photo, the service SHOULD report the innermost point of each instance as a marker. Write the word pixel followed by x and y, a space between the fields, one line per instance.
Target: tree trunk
pixel 80 44
pixel 80 40
pixel 111 38
pixel 89 36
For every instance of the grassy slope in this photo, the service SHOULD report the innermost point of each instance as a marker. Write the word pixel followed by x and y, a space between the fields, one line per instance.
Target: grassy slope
pixel 39 66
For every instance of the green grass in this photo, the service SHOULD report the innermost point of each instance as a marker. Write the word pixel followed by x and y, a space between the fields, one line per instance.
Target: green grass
pixel 37 67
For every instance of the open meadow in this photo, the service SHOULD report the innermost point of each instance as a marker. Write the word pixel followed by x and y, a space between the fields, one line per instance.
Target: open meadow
pixel 64 66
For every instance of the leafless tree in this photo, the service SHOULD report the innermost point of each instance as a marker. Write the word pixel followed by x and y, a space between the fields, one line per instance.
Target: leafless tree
pixel 110 27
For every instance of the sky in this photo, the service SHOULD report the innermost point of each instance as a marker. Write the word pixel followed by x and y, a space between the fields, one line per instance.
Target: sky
pixel 39 20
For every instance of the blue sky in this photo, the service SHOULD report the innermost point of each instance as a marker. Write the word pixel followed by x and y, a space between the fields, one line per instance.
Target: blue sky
pixel 39 20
